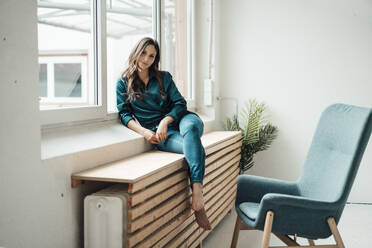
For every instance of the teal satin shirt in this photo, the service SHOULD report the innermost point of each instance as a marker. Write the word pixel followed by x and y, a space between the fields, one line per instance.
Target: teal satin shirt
pixel 152 109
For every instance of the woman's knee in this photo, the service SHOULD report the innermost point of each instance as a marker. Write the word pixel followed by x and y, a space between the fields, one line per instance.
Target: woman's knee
pixel 173 143
pixel 191 123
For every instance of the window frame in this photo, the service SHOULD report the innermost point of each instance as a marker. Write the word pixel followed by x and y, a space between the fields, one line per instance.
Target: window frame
pixel 190 14
pixel 191 53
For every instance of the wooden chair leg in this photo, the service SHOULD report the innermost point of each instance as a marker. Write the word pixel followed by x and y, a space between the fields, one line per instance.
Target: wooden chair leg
pixel 311 242
pixel 332 225
pixel 267 229
pixel 286 240
pixel 234 241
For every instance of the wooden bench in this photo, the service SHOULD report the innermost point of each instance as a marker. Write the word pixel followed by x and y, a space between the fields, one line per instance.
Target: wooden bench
pixel 158 192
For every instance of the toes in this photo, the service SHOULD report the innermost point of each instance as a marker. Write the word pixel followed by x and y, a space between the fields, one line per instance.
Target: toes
pixel 202 219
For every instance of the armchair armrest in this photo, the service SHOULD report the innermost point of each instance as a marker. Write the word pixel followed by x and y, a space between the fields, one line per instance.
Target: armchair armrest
pixel 253 188
pixel 283 200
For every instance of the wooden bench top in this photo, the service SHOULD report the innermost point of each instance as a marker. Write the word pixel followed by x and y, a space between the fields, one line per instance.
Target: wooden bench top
pixel 135 168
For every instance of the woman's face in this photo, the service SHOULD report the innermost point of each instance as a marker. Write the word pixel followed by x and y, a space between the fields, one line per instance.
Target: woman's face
pixel 147 57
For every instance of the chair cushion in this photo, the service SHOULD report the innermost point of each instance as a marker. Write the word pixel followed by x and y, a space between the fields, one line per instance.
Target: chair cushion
pixel 250 209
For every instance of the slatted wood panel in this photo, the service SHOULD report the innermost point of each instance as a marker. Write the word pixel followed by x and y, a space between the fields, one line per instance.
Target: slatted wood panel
pixel 158 228
pixel 159 198
pixel 178 225
pixel 173 201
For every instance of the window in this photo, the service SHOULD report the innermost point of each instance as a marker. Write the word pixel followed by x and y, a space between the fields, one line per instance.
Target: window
pixel 64 80
pixel 84 46
pixel 70 60
pixel 125 28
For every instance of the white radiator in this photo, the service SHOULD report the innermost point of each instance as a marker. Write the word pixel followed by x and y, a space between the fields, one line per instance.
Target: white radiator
pixel 105 218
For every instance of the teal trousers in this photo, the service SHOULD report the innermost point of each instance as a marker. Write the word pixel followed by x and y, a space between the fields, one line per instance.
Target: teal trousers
pixel 185 138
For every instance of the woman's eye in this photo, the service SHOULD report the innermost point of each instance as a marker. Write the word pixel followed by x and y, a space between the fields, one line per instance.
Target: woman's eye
pixel 152 56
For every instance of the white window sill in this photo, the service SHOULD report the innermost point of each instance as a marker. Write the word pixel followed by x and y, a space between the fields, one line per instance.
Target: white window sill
pixel 109 139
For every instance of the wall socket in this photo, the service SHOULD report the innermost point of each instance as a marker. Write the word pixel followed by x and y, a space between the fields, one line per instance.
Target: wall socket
pixel 208 92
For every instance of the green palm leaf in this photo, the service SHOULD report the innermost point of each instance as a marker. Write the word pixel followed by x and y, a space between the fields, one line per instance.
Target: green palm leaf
pixel 257 133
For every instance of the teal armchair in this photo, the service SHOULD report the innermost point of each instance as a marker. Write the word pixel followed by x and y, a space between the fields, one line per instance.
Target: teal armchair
pixel 312 206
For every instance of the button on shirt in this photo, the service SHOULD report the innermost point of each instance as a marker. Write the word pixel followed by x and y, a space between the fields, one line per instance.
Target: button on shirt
pixel 152 109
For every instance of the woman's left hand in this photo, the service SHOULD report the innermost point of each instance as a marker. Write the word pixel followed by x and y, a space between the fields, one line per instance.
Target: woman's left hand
pixel 161 132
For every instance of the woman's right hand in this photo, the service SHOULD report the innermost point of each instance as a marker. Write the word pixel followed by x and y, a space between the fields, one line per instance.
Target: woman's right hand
pixel 151 137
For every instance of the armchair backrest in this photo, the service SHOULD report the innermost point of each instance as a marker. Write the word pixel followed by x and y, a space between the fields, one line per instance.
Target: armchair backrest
pixel 337 148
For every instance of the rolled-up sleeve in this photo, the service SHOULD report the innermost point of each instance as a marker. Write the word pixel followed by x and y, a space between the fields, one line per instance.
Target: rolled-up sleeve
pixel 125 114
pixel 178 102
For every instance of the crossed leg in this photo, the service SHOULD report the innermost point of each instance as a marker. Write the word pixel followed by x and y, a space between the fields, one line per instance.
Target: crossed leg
pixel 186 140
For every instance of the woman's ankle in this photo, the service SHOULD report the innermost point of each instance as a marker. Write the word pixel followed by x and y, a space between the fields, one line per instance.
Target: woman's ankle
pixel 197 188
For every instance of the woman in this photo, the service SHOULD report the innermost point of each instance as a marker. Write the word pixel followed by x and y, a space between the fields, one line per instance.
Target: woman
pixel 150 104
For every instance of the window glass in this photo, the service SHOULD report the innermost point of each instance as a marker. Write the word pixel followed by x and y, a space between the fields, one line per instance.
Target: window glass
pixel 174 41
pixel 66 53
pixel 127 22
pixel 67 80
pixel 43 80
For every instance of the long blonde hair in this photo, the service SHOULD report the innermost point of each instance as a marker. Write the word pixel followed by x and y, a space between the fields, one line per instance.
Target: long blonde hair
pixel 135 85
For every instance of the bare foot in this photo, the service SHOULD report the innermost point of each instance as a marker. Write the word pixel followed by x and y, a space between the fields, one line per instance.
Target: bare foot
pixel 202 219
pixel 197 197
pixel 198 207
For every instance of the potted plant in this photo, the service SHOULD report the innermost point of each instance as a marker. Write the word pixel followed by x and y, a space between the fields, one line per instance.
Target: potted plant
pixel 257 132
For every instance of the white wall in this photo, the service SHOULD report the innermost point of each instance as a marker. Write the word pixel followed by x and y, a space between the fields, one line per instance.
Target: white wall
pixel 298 57
pixel 27 216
